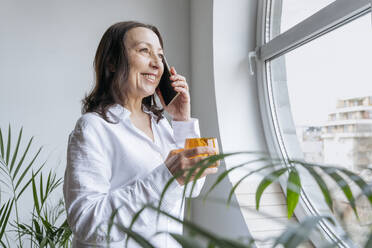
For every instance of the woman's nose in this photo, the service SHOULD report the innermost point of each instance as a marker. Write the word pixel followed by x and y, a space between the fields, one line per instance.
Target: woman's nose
pixel 155 62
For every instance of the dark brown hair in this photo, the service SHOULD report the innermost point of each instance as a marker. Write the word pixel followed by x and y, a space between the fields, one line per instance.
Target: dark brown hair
pixel 111 72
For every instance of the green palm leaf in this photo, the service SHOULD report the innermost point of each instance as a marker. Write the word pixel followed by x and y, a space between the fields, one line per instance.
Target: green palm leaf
pixel 180 173
pixel 244 177
pixel 293 191
pixel 38 231
pixel 266 181
pixel 211 245
pixel 41 189
pixel 22 158
pixel 199 230
pixel 364 187
pixel 16 149
pixel 202 165
pixel 294 235
pixel 369 241
pixel 28 182
pixel 186 242
pixel 226 172
pixel 134 219
pixel 34 194
pixel 5 213
pixel 239 245
pixel 28 168
pixel 332 172
pixel 142 241
pixel 1 144
pixel 191 226
pixel 322 185
pixel 8 145
pixel 65 234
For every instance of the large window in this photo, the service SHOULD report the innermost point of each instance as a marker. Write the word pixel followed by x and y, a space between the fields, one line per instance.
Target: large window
pixel 314 70
pixel 292 12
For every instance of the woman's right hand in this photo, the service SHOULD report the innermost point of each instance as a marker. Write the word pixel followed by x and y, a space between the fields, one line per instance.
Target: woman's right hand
pixel 182 161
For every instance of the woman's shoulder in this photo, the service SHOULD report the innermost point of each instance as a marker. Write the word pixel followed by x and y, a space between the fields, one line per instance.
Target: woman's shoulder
pixel 89 121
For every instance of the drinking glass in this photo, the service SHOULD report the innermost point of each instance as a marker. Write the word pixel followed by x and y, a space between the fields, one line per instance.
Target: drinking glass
pixel 195 142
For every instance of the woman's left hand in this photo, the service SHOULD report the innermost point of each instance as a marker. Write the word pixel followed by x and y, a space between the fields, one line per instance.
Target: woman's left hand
pixel 179 108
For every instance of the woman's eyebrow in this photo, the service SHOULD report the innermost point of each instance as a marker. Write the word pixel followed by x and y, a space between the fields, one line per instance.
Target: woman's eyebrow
pixel 147 43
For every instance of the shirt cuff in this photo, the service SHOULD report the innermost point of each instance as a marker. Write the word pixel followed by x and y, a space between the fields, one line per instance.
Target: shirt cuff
pixel 186 129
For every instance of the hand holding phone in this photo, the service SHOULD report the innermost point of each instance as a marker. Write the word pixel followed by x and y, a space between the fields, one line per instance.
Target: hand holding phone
pixel 165 85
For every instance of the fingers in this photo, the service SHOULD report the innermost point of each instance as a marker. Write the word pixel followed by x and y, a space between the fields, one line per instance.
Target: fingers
pixel 175 151
pixel 177 77
pixel 194 161
pixel 173 70
pixel 185 162
pixel 184 94
pixel 205 150
pixel 183 88
pixel 181 84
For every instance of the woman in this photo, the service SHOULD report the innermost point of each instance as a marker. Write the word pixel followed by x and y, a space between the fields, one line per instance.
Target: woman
pixel 119 154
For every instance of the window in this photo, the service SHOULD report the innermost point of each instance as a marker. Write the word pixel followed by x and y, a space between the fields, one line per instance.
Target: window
pixel 313 70
pixel 294 11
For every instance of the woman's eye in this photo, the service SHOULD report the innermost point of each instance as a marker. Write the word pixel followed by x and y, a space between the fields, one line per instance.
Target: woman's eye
pixel 144 50
pixel 161 55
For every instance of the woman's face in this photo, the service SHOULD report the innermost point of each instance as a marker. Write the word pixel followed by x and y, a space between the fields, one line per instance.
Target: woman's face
pixel 145 62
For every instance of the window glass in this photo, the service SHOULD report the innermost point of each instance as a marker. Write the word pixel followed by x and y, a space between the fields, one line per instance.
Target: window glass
pixel 325 85
pixel 295 11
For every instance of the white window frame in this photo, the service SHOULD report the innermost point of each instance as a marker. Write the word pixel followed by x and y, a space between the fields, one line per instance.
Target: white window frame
pixel 325 20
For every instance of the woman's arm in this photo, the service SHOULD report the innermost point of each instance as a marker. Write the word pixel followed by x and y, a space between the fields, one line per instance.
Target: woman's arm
pixel 181 131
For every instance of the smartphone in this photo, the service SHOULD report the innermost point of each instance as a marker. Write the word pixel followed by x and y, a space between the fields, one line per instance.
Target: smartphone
pixel 165 87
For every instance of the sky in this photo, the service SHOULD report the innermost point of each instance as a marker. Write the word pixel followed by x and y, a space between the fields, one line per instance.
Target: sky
pixel 336 65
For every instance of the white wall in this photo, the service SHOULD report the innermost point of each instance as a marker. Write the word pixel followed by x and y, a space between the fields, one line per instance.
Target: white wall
pixel 214 216
pixel 47 49
pixel 222 35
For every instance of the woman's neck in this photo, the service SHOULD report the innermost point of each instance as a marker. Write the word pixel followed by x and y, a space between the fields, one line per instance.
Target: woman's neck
pixel 134 106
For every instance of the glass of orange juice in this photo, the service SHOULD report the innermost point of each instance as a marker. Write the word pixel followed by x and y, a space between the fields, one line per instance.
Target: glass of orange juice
pixel 195 142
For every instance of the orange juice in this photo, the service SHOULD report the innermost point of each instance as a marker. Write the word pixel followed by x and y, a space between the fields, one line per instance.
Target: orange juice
pixel 173 152
pixel 195 142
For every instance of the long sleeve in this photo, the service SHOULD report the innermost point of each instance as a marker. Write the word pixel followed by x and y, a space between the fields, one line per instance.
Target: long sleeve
pixel 183 130
pixel 90 201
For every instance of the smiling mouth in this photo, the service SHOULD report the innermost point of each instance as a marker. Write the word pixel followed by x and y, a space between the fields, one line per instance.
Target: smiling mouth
pixel 149 77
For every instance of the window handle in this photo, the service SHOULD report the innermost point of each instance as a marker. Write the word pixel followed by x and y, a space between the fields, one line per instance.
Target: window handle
pixel 252 56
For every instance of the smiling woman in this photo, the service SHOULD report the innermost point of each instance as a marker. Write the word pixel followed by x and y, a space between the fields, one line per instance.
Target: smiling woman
pixel 119 154
pixel 145 57
pixel 112 66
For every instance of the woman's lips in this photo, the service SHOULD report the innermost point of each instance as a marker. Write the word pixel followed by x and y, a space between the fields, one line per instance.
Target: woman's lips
pixel 149 77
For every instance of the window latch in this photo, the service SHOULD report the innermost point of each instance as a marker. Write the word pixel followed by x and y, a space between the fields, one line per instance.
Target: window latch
pixel 252 55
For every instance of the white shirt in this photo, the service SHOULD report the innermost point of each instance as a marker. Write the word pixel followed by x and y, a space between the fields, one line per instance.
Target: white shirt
pixel 117 166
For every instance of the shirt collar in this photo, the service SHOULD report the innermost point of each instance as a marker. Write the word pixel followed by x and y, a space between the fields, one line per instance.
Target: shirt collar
pixel 119 112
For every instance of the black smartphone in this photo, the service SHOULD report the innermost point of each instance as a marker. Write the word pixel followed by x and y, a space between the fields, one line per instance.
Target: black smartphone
pixel 165 87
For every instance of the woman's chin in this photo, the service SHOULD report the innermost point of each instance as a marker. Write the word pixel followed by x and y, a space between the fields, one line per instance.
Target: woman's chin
pixel 149 93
